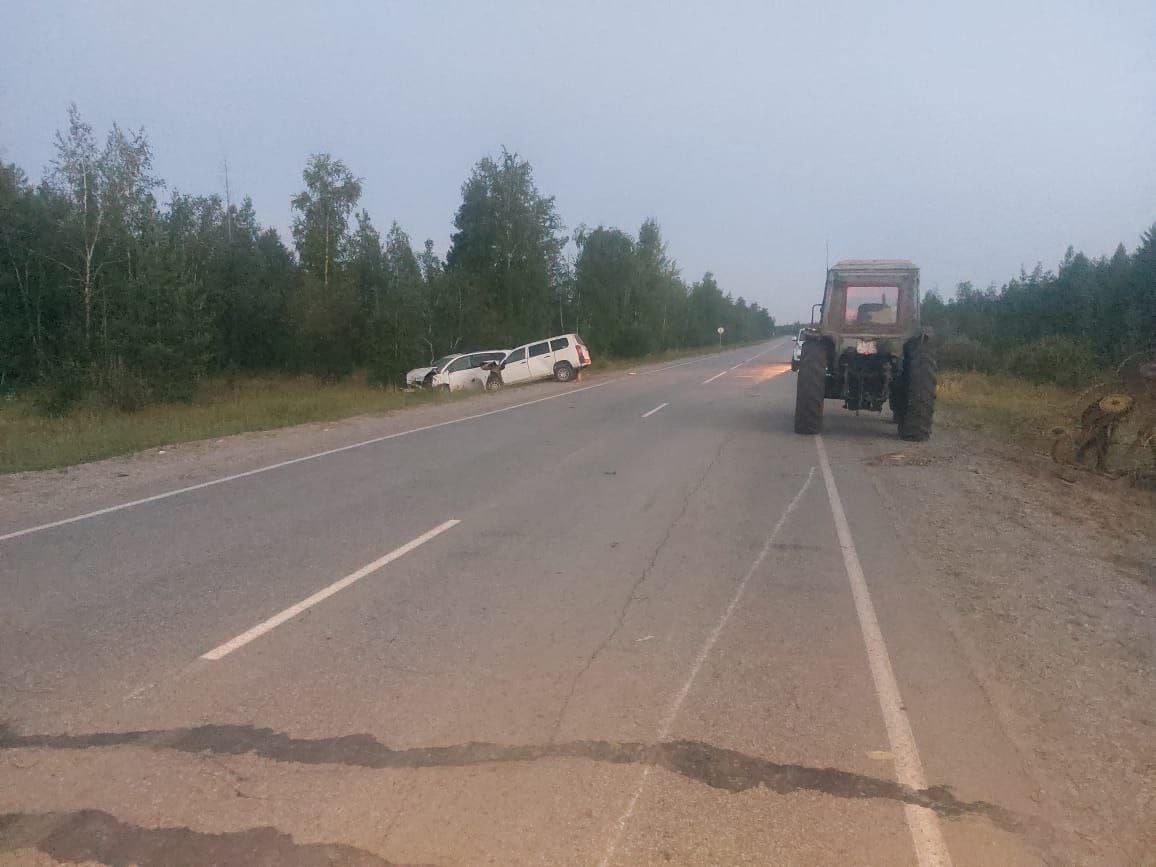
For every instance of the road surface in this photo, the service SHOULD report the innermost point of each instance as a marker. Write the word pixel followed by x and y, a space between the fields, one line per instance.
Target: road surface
pixel 632 620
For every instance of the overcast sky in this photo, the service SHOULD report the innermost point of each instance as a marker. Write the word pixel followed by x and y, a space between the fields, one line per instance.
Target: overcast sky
pixel 972 137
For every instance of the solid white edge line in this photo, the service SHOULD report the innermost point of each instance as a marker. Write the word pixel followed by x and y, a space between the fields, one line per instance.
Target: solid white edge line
pixel 321 595
pixel 930 847
pixel 676 703
pixel 656 409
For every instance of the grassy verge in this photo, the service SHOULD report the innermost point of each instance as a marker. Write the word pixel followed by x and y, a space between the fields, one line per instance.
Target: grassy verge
pixel 1025 413
pixel 30 441
pixel 1015 410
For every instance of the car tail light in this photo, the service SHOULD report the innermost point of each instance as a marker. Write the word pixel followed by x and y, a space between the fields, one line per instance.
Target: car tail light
pixel 583 355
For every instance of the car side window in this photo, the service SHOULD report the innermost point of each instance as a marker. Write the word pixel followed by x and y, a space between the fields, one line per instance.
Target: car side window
pixel 516 355
pixel 539 349
pixel 463 363
pixel 559 343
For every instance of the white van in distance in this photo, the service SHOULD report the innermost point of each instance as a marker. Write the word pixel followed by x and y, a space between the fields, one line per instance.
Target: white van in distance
pixel 558 358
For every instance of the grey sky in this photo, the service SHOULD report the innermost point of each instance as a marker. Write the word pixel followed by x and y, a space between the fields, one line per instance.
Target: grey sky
pixel 972 137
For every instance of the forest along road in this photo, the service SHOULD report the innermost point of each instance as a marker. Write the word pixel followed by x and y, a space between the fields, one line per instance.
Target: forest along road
pixel 636 621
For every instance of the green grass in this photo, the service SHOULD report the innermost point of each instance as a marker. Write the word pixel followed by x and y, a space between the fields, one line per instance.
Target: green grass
pixel 1016 410
pixel 32 441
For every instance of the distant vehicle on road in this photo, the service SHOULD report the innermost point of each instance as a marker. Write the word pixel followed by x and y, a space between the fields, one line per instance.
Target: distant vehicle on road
pixel 797 352
pixel 559 358
pixel 456 372
pixel 868 348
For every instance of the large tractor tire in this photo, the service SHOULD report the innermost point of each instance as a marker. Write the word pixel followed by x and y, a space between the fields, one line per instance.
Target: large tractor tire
pixel 920 400
pixel 811 388
pixel 897 400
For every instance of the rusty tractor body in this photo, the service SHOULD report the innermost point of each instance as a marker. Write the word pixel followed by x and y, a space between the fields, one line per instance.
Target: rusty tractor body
pixel 868 348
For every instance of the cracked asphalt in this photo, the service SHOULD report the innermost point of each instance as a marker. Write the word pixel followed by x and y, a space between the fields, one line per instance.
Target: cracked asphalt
pixel 498 694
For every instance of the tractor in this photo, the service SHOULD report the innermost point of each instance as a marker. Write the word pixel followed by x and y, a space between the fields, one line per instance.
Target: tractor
pixel 868 348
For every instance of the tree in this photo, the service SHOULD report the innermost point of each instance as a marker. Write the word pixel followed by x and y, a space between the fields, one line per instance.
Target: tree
pixel 396 323
pixel 604 277
pixel 441 306
pixel 706 309
pixel 320 227
pixel 507 250
pixel 31 303
pixel 108 195
pixel 661 293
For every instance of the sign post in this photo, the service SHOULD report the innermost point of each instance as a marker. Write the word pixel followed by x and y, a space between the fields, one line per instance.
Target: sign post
pixel 721 330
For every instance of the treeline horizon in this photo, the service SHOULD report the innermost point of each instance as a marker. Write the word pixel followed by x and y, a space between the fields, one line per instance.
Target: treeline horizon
pixel 1089 316
pixel 109 290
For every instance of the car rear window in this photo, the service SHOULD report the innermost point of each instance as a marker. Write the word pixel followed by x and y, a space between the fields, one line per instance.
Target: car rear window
pixel 539 349
pixel 516 355
pixel 559 343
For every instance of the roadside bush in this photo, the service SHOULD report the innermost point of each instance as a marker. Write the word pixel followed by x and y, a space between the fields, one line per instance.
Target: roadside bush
pixel 62 389
pixel 323 318
pixel 122 388
pixel 169 374
pixel 1062 360
pixel 632 341
pixel 964 353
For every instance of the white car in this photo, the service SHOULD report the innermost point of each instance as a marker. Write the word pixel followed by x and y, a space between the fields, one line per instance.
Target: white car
pixel 416 377
pixel 559 358
pixel 797 352
pixel 456 372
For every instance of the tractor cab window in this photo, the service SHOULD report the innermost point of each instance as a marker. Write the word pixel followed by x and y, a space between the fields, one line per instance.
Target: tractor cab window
pixel 871 305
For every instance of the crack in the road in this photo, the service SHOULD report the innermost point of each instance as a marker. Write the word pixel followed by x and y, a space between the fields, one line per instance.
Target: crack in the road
pixel 716 767
pixel 632 597
pixel 94 836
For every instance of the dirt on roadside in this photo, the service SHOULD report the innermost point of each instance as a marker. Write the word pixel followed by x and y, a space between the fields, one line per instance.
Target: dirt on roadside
pixel 1057 620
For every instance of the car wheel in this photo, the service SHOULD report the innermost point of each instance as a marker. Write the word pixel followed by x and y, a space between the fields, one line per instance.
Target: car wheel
pixel 494 383
pixel 563 371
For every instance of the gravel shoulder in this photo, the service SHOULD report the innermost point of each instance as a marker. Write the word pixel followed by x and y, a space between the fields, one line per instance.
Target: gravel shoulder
pixel 1049 589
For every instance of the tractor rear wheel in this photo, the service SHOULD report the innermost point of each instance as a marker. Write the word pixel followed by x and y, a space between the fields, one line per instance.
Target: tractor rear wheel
pixel 919 402
pixel 811 388
pixel 897 400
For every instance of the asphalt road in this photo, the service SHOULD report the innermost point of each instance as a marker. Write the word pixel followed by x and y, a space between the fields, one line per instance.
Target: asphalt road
pixel 640 621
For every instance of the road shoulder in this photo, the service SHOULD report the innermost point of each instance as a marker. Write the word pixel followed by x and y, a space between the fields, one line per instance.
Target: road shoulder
pixel 1047 588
